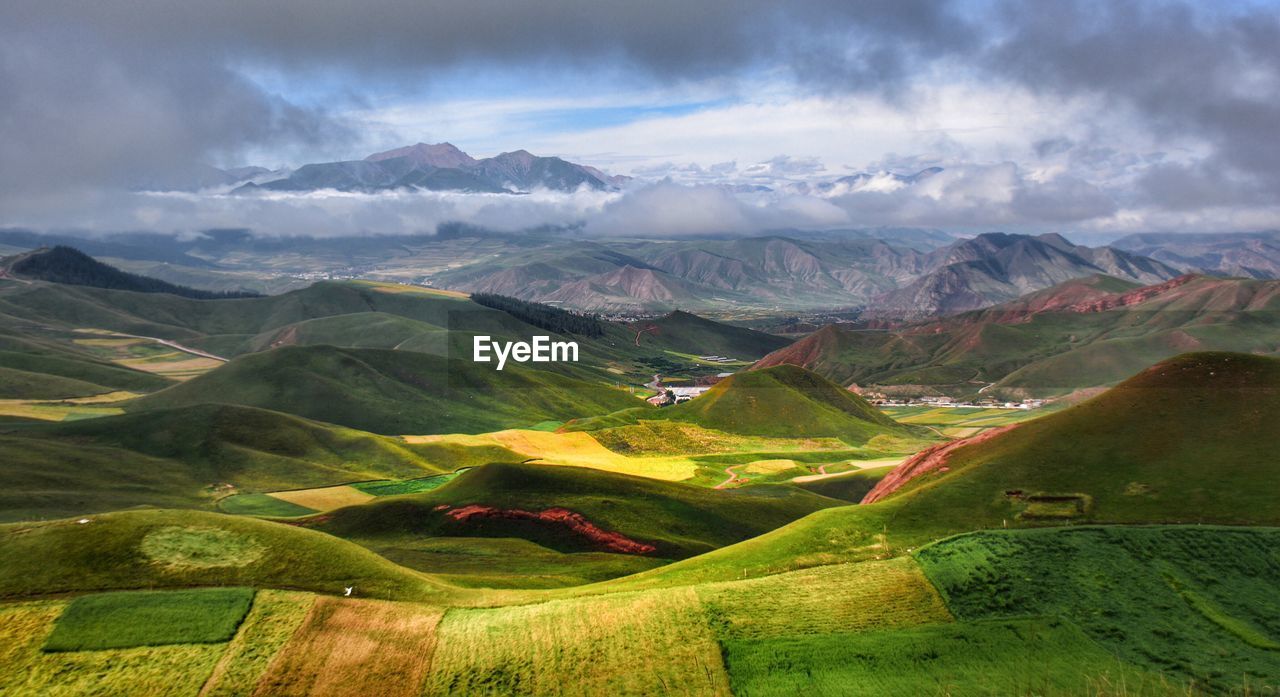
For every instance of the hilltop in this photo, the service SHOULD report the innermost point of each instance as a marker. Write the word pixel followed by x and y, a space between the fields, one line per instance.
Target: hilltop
pixel 392 392
pixel 187 456
pixel 62 264
pixel 779 401
pixel 1187 440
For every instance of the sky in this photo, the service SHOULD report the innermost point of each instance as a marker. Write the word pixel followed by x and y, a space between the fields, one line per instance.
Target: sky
pixel 1056 115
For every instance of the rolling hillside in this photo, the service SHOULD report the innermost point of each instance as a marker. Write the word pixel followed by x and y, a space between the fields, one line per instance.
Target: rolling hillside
pixel 1188 440
pixel 1084 333
pixel 189 456
pixel 392 392
pixel 574 509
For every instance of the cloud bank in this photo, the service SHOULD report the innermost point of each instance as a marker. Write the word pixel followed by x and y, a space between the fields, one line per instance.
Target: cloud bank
pixel 1173 108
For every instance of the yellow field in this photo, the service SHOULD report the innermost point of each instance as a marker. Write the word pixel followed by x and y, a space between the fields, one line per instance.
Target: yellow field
pixel 53 411
pixel 855 465
pixel 771 466
pixel 159 670
pixel 417 290
pixel 576 449
pixel 325 498
pixel 176 364
pixel 356 647
pixel 634 643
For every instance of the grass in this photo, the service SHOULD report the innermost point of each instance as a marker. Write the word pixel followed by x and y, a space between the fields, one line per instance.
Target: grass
pixel 183 457
pixel 408 486
pixel 680 520
pixel 839 598
pixel 325 498
pixel 154 670
pixel 504 562
pixel 263 505
pixel 1199 604
pixel 130 619
pixel 782 401
pixel 627 644
pixel 106 554
pixel 274 618
pixel 1010 657
pixel 356 647
pixel 393 392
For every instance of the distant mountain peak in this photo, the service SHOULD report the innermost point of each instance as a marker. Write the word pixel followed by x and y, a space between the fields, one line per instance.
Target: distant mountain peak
pixel 444 155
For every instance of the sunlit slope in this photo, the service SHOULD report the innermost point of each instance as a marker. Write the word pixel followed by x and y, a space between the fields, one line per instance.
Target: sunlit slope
pixel 1190 440
pixel 666 519
pixel 158 549
pixel 393 392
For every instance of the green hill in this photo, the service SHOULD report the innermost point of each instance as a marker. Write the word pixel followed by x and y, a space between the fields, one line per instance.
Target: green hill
pixel 1189 440
pixel 673 520
pixel 178 549
pixel 187 456
pixel 780 401
pixel 392 392
pixel 688 333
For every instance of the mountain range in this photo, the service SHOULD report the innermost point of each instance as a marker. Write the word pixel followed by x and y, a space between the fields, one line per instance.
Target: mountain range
pixel 1247 254
pixel 432 167
pixel 1079 334
pixel 886 278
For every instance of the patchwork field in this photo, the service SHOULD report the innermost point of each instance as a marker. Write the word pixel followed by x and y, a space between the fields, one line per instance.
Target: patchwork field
pixel 647 643
pixel 961 422
pixel 355 647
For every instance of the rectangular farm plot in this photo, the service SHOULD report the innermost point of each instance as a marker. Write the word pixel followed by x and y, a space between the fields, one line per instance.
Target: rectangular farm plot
pixel 841 598
pixel 178 669
pixel 649 643
pixel 275 616
pixel 356 647
pixel 325 498
pixel 150 618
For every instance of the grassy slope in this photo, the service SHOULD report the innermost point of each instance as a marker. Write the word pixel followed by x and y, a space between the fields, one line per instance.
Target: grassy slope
pixel 393 392
pixel 780 401
pixel 1198 604
pixel 1188 440
pixel 679 519
pixel 175 458
pixel 1191 439
pixel 107 554
pixel 42 368
pixel 689 333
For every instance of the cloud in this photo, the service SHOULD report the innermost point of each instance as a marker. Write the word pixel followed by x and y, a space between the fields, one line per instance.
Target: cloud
pixel 1065 112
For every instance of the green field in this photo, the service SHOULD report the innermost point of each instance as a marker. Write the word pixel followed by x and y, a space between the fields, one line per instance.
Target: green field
pixel 1198 604
pixel 150 618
